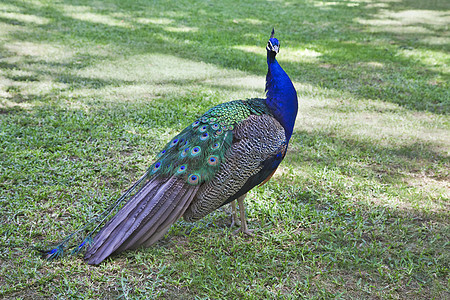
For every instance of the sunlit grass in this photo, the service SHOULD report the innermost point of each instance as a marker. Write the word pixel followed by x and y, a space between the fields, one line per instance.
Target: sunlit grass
pixel 24 18
pixel 289 54
pixel 89 91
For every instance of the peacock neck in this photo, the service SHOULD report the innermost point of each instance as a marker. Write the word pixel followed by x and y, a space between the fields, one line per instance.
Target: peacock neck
pixel 281 97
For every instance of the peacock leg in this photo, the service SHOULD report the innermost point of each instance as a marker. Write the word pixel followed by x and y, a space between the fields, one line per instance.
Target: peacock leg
pixel 234 218
pixel 244 227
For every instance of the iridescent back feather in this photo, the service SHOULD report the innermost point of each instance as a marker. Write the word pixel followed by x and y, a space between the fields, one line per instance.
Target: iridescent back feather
pixel 197 153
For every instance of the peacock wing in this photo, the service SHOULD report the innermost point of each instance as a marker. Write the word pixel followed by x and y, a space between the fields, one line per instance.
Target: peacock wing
pixel 258 146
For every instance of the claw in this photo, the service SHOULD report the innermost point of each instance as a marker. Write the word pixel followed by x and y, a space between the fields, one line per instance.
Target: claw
pixel 248 232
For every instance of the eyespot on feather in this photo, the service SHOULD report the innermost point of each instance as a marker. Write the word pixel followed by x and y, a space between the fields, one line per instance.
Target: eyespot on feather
pixel 219 132
pixel 196 123
pixel 173 143
pixel 182 169
pixel 196 151
pixel 203 128
pixel 184 152
pixel 204 136
pixel 161 153
pixel 194 179
pixel 213 160
pixel 215 146
pixel 156 167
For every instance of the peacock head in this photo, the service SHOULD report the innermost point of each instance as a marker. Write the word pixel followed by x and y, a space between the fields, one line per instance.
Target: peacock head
pixel 273 45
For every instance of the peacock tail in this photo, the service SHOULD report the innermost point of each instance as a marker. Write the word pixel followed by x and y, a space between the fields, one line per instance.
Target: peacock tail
pixel 198 151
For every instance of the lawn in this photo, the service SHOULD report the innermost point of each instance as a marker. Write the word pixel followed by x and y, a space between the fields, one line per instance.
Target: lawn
pixel 359 209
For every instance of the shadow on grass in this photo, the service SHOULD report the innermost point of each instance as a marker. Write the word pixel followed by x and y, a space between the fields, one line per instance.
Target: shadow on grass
pixel 373 171
pixel 368 65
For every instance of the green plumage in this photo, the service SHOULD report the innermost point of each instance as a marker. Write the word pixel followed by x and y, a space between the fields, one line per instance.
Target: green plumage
pixel 198 151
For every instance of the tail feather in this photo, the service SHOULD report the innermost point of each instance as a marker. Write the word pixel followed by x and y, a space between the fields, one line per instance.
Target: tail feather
pixel 169 197
pixel 146 209
pixel 144 219
pixel 171 218
pixel 110 236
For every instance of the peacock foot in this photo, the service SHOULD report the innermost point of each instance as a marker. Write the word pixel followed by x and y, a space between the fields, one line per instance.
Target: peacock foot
pixel 248 232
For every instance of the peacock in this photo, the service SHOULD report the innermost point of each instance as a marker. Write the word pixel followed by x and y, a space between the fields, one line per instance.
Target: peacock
pixel 216 160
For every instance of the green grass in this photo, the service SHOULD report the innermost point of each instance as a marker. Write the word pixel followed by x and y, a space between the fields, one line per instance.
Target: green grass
pixel 90 90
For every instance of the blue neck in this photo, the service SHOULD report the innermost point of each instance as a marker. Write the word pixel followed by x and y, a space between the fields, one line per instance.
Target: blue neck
pixel 281 97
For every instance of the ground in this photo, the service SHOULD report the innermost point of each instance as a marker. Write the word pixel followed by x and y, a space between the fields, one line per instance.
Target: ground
pixel 359 209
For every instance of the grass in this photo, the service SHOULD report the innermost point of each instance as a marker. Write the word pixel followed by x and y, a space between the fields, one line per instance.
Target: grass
pixel 89 91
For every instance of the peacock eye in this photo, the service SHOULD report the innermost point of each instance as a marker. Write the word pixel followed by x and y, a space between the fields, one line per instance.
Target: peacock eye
pixel 204 136
pixel 215 146
pixel 196 151
pixel 194 179
pixel 174 142
pixel 181 169
pixel 184 152
pixel 213 160
pixel 156 167
pixel 161 153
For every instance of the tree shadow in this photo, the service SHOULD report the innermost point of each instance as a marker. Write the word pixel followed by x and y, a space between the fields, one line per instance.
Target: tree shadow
pixel 347 50
pixel 358 76
pixel 373 171
pixel 371 70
